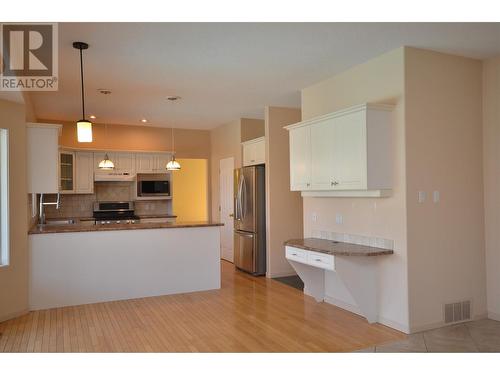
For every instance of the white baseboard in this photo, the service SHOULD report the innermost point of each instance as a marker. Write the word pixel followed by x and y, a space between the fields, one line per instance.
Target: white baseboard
pixel 355 310
pixel 493 315
pixel 13 315
pixel 343 305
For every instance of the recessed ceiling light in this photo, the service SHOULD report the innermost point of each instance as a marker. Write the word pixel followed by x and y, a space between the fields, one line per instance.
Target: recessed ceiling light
pixel 144 120
pixel 92 117
pixel 173 98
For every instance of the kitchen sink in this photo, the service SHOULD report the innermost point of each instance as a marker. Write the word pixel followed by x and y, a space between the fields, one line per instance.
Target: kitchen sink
pixel 60 222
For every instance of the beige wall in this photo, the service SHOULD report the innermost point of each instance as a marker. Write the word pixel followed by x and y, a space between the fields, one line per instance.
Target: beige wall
pixel 251 129
pixel 14 278
pixel 225 142
pixel 189 143
pixel 378 80
pixel 491 157
pixel 283 207
pixel 446 260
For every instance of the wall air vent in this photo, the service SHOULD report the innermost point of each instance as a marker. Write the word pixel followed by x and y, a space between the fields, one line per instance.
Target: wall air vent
pixel 457 312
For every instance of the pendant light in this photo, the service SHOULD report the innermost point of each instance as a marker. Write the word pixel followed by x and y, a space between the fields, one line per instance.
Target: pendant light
pixel 173 165
pixel 106 164
pixel 83 126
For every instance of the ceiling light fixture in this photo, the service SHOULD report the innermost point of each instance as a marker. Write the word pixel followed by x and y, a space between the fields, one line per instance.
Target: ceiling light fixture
pixel 83 126
pixel 173 98
pixel 106 164
pixel 92 117
pixel 144 120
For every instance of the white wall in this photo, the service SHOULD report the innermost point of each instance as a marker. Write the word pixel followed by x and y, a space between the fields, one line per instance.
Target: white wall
pixel 378 80
pixel 491 159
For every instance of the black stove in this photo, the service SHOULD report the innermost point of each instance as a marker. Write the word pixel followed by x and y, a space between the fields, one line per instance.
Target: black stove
pixel 115 213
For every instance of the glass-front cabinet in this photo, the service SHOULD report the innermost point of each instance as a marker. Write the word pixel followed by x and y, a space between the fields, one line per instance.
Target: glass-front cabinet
pixel 66 172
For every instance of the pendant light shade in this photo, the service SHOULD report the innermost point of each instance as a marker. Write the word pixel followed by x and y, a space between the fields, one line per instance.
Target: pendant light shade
pixel 106 164
pixel 173 165
pixel 84 131
pixel 83 126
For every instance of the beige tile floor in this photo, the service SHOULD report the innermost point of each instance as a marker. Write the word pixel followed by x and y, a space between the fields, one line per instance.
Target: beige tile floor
pixel 478 336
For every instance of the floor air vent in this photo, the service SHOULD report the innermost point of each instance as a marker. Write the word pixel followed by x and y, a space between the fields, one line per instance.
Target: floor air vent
pixel 457 312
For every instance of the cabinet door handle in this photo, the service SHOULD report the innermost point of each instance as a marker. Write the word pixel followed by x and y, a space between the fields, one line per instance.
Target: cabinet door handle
pixel 335 183
pixel 308 184
pixel 317 260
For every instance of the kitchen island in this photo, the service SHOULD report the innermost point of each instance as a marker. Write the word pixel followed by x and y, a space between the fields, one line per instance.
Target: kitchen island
pixel 79 264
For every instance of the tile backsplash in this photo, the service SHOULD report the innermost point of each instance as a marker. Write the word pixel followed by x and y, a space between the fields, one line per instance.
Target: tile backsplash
pixel 357 239
pixel 82 205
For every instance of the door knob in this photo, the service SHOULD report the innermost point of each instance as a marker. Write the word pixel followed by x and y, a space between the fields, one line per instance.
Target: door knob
pixel 231 215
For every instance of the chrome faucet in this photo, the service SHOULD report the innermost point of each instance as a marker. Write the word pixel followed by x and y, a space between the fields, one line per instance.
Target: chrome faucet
pixel 57 203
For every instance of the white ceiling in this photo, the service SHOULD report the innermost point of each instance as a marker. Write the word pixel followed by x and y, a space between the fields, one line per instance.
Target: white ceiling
pixel 224 71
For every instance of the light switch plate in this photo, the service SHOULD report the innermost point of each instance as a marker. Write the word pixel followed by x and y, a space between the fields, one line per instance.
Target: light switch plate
pixel 422 195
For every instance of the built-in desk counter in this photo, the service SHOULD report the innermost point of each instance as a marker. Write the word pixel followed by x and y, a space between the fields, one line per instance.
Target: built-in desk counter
pixel 317 260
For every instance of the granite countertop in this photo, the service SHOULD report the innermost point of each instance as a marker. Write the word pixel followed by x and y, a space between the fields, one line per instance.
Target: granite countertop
pixel 69 228
pixel 160 216
pixel 336 248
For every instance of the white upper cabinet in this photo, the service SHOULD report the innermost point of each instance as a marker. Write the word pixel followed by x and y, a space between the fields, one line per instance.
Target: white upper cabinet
pixel 300 158
pixel 84 172
pixel 345 153
pixel 254 151
pixel 125 162
pixel 151 163
pixel 144 163
pixel 43 157
pixel 321 147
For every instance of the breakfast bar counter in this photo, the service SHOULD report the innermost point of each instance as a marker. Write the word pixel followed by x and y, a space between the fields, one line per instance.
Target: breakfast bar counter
pixel 79 263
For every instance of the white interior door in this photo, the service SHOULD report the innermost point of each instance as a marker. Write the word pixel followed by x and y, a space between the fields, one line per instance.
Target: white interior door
pixel 226 188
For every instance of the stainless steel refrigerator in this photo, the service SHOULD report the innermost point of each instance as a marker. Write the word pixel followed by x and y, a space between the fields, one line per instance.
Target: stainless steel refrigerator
pixel 250 219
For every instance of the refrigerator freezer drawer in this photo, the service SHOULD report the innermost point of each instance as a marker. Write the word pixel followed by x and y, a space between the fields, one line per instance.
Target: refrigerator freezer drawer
pixel 244 251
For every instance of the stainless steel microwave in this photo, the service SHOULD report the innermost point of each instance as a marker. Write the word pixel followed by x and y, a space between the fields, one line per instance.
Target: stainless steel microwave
pixel 152 185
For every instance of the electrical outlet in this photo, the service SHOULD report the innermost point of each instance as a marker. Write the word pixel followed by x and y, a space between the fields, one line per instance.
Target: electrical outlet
pixel 314 216
pixel 436 196
pixel 339 219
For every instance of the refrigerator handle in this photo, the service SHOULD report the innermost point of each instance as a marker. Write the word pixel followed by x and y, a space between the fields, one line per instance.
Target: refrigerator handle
pixel 243 198
pixel 238 200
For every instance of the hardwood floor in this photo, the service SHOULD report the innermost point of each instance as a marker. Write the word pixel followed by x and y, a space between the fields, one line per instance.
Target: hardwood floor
pixel 246 315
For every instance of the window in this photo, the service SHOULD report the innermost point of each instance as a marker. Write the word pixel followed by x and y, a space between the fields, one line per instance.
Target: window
pixel 4 198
